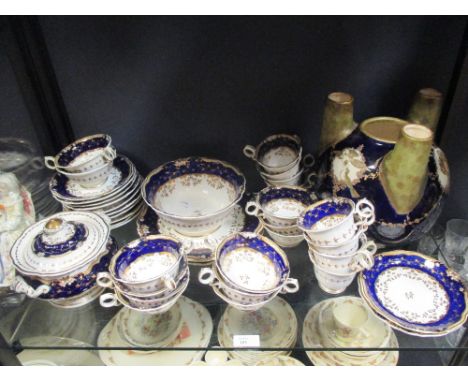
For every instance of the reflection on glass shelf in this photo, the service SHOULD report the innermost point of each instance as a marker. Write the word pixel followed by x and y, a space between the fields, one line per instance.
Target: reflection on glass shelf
pixel 290 325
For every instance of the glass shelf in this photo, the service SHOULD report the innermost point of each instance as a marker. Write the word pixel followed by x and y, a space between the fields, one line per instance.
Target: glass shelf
pixel 70 336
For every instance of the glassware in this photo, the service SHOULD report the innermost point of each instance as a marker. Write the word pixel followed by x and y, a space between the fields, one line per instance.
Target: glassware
pixel 456 245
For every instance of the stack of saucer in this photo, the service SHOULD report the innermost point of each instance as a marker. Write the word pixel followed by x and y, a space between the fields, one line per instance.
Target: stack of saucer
pixel 91 177
pixel 338 247
pixel 275 325
pixel 147 275
pixel 346 322
pixel 278 209
pixel 279 160
pixel 248 272
pixel 195 200
pixel 19 157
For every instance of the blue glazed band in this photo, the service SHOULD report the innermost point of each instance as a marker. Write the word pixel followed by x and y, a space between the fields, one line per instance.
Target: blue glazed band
pixel 275 143
pixel 47 250
pixel 328 208
pixel 75 149
pixel 285 193
pixel 453 287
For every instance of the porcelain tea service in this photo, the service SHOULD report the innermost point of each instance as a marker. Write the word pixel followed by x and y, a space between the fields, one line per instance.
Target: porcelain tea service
pixel 249 271
pixel 92 177
pixel 278 208
pixel 147 274
pixel 58 258
pixel 279 159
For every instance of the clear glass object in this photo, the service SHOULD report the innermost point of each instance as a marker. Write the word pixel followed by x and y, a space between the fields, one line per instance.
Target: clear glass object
pixel 456 245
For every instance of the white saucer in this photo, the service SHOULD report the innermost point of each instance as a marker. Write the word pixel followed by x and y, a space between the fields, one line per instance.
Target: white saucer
pixel 196 332
pixel 312 338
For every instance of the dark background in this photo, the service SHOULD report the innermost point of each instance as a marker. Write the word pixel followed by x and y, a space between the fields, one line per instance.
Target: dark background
pixel 168 87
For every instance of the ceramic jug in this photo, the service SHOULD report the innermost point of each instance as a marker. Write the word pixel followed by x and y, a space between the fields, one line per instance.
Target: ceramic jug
pixel 394 164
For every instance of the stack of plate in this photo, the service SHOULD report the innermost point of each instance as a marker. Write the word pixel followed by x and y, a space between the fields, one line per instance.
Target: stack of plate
pixel 275 324
pixel 21 158
pixel 118 197
pixel 320 331
pixel 194 332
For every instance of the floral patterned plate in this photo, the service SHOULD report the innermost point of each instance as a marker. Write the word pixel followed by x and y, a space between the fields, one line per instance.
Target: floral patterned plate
pixel 415 293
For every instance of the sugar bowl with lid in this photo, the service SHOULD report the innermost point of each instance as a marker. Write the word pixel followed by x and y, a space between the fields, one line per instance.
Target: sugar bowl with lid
pixel 58 258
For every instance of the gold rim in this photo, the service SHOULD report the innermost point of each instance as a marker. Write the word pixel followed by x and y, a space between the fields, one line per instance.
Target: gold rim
pixel 363 127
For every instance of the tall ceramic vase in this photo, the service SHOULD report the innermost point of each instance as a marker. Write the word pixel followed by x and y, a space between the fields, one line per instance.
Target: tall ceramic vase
pixel 395 165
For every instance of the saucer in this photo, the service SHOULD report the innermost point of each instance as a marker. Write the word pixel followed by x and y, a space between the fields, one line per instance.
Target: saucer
pixel 312 338
pixel 196 333
pixel 414 293
pixel 66 189
pixel 202 248
pixel 280 360
pixel 275 324
pixel 150 330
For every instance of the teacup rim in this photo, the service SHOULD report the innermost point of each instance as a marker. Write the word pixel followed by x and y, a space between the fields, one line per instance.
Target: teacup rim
pixel 357 233
pixel 300 219
pixel 294 137
pixel 132 244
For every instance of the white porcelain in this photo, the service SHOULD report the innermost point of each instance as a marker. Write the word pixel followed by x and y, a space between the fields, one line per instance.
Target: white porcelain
pixel 196 334
pixel 345 249
pixel 275 324
pixel 331 282
pixel 280 360
pixel 290 230
pixel 146 265
pixel 150 330
pixel 285 241
pixel 356 262
pixel 276 153
pixel 295 180
pixel 78 237
pixel 319 331
pixel 336 220
pixel 178 191
pixel 156 305
pixel 83 155
pixel 306 162
pixel 253 263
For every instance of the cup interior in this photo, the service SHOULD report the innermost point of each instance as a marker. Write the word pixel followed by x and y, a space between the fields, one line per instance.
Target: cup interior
pixel 251 263
pixel 278 151
pixel 326 215
pixel 83 150
pixel 284 202
pixel 148 260
pixel 349 317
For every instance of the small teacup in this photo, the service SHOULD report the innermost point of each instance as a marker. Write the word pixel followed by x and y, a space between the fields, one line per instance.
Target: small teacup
pixel 83 155
pixel 92 178
pixel 306 162
pixel 285 241
pixel 356 262
pixel 280 206
pixel 342 250
pixel 336 220
pixel 332 283
pixel 350 319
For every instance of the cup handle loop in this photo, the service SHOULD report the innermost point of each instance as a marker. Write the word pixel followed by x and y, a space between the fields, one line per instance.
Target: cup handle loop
pixel 308 161
pixel 50 163
pixel 366 212
pixel 311 179
pixel 290 286
pixel 170 283
pixel 103 279
pixel 249 151
pixel 362 260
pixel 252 208
pixel 109 153
pixel 206 276
pixel 108 300
pixel 19 285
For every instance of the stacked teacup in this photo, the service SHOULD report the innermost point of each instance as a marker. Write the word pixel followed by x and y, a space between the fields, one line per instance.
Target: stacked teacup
pixel 147 275
pixel 249 271
pixel 338 247
pixel 279 160
pixel 92 177
pixel 278 209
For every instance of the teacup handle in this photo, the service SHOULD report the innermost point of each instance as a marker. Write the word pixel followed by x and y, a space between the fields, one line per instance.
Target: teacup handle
pixel 366 212
pixel 19 285
pixel 109 154
pixel 50 163
pixel 249 151
pixel 308 161
pixel 206 276
pixel 169 283
pixel 104 279
pixel 185 248
pixel 311 179
pixel 364 258
pixel 290 286
pixel 108 300
pixel 253 208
